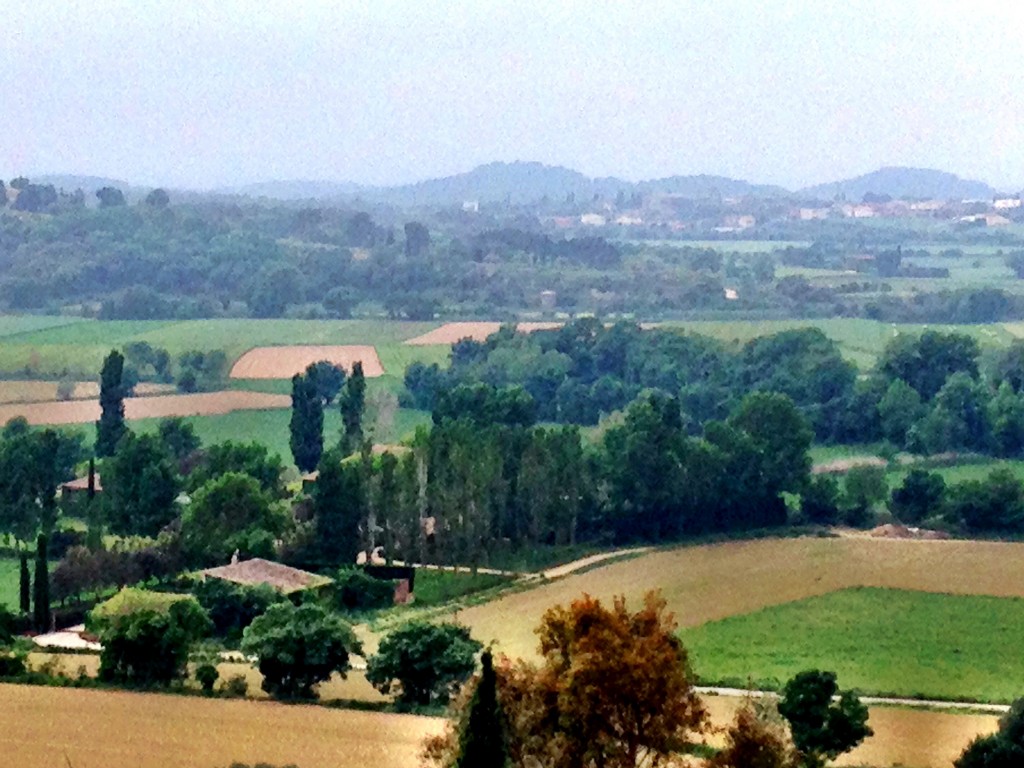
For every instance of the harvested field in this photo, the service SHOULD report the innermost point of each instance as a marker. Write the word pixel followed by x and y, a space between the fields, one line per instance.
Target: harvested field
pixel 449 333
pixel 46 727
pixel 285 362
pixel 705 583
pixel 917 738
pixel 156 407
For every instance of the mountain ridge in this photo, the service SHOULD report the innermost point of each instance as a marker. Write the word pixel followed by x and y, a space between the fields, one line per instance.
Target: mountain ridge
pixel 523 182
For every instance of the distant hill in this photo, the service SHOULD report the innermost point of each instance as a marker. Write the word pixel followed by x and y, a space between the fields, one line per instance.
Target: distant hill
pixel 496 182
pixel 88 184
pixel 908 183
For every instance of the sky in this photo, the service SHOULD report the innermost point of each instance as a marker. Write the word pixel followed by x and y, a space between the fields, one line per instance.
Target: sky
pixel 212 94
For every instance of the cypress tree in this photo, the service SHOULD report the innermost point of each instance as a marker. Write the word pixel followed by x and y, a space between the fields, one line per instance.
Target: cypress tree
pixel 41 596
pixel 307 423
pixel 93 517
pixel 111 427
pixel 482 740
pixel 352 402
pixel 339 508
pixel 25 586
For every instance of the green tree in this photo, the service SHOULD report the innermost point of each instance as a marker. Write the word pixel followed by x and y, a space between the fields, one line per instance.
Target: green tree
pixel 140 486
pixel 1006 415
pixel 307 422
pixel 925 362
pixel 820 500
pixel 898 410
pixel 157 198
pixel 149 647
pixel 920 496
pixel 353 402
pixel 230 513
pixel 41 588
pixel 111 426
pixel 110 197
pixel 483 742
pixel 329 379
pixel 24 585
pixel 863 488
pixel 822 729
pixel 340 507
pixel 423 662
pixel 233 607
pixel 298 647
pixel 179 437
pixel 252 458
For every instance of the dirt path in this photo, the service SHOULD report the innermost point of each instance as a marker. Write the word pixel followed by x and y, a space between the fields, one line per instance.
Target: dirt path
pixel 885 701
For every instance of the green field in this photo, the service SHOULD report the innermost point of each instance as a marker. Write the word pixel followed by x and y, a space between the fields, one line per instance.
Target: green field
pixel 879 641
pixel 9 583
pixel 52 345
pixel 434 587
pixel 271 428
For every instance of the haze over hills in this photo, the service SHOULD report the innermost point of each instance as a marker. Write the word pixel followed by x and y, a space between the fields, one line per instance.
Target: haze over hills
pixel 526 182
pixel 903 183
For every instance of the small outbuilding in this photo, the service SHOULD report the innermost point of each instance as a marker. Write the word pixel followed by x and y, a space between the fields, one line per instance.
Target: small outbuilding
pixel 80 485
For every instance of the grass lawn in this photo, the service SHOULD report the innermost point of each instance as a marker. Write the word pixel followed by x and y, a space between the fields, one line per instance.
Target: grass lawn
pixel 437 587
pixel 9 583
pixel 879 641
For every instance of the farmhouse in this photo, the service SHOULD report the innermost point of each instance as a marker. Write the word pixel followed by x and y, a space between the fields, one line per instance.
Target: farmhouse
pixel 80 485
pixel 283 578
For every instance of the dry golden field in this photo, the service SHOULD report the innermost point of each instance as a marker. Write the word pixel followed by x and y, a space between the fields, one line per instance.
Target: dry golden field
pixel 56 727
pixel 155 407
pixel 905 737
pixel 449 333
pixel 285 362
pixel 705 583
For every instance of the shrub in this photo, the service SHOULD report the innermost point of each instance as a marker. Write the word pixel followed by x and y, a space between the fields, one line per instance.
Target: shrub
pixel 233 607
pixel 206 675
pixel 356 590
pixel 236 686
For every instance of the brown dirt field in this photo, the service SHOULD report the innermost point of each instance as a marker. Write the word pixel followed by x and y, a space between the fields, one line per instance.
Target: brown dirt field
pixel 709 582
pixel 449 333
pixel 906 737
pixel 285 362
pixel 158 406
pixel 113 729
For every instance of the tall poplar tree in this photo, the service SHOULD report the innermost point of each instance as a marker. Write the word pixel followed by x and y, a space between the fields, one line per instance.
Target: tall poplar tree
pixel 339 509
pixel 307 423
pixel 41 588
pixel 111 427
pixel 25 585
pixel 353 403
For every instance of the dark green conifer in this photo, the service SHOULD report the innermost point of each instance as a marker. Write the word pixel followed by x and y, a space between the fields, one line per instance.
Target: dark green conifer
pixel 482 741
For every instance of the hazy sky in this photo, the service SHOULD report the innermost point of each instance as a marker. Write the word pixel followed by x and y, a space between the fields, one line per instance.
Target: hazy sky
pixel 220 92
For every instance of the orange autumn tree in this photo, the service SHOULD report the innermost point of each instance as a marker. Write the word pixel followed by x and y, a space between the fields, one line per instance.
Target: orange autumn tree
pixel 614 690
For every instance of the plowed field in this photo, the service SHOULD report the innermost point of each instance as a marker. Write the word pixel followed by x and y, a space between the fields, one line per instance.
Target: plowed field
pixel 285 362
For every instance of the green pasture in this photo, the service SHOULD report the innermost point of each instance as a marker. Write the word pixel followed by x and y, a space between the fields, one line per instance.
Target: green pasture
pixel 879 641
pixel 9 583
pixel 435 587
pixel 270 427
